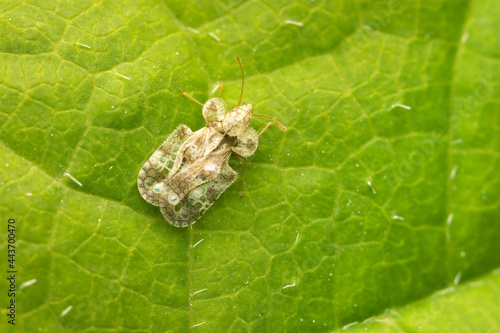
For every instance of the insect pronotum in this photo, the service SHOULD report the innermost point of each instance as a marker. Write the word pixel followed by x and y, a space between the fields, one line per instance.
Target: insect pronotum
pixel 189 171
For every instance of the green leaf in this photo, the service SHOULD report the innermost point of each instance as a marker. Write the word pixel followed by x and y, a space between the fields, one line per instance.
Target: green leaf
pixel 384 189
pixel 472 307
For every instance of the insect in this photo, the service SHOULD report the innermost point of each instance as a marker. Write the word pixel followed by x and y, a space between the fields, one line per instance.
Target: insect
pixel 189 171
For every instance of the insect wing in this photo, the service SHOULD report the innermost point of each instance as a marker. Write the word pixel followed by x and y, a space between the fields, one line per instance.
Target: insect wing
pixel 197 172
pixel 160 165
pixel 199 200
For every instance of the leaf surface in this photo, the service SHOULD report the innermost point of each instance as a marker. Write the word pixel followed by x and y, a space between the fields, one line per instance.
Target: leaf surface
pixel 383 190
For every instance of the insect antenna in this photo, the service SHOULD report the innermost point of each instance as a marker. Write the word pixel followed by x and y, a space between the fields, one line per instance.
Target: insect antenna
pixel 242 80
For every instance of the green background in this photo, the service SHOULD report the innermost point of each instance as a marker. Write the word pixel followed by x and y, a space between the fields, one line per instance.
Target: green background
pixel 361 208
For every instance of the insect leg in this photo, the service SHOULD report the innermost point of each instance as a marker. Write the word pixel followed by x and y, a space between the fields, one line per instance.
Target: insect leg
pixel 182 91
pixel 243 162
pixel 268 124
pixel 274 121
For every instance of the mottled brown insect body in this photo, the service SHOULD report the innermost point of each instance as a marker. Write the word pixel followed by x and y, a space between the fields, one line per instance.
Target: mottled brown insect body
pixel 189 171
